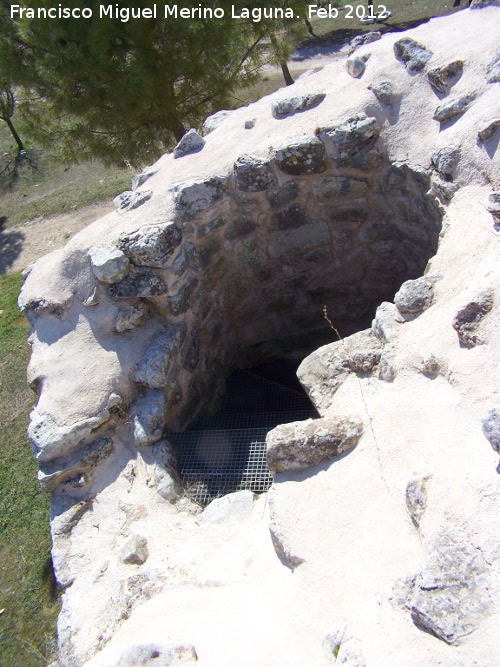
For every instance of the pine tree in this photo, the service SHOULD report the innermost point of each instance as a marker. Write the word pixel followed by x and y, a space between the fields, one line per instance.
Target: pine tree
pixel 130 89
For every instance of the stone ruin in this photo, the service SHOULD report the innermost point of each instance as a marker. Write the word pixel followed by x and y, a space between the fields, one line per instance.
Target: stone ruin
pixel 301 219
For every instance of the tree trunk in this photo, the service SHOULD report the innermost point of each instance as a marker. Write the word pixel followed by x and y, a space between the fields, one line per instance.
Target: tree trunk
pixel 179 131
pixel 286 74
pixel 309 28
pixel 284 67
pixel 20 146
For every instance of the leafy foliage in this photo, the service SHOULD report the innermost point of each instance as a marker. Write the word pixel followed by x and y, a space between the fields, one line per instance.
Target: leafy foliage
pixel 129 89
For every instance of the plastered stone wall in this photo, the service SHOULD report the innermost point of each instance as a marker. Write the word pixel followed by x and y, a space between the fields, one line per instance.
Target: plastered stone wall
pixel 245 269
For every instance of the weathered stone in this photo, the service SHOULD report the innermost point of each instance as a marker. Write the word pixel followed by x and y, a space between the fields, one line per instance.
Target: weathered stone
pixel 179 302
pixel 186 259
pixel 356 65
pixel 232 507
pixel 387 368
pixel 157 655
pixel 283 195
pixel 63 522
pixel 353 140
pixel 138 283
pixel 46 307
pixel 446 160
pixel 442 187
pixel 416 497
pixel 130 317
pixel 491 428
pixel 333 187
pixel 250 253
pixel 451 596
pixel 289 218
pixel 109 264
pixel 415 296
pixel 383 91
pixel 287 556
pixel 387 322
pixel 151 245
pixel 92 299
pixel 493 206
pixel 352 215
pixel 191 142
pixel 207 251
pixel 469 318
pixel 299 445
pixel 148 418
pixel 152 368
pixel 341 237
pixel 253 175
pixel 413 54
pixel 361 40
pixel 197 195
pixel 166 474
pixel 209 226
pixel 238 228
pixel 454 107
pixel 50 439
pixel 442 78
pixel 123 200
pixel 493 68
pixel 135 551
pixel 351 653
pixel 479 4
pixel 362 351
pixel 133 512
pixel 488 129
pixel 307 236
pixel 83 466
pixel 212 122
pixel 303 155
pixel 131 199
pixel 250 123
pixel 140 179
pixel 284 106
pixel 191 350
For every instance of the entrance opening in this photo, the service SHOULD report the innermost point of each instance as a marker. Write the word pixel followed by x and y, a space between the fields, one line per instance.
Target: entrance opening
pixel 226 452
pixel 257 272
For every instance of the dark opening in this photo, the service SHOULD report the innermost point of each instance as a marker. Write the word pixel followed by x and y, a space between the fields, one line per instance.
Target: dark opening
pixel 226 452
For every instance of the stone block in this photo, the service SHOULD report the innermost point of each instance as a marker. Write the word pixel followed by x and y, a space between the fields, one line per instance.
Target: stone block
pixel 151 245
pixel 300 156
pixel 253 175
pixel 191 142
pixel 109 264
pixel 313 234
pixel 414 55
pixel 284 106
pixel 299 445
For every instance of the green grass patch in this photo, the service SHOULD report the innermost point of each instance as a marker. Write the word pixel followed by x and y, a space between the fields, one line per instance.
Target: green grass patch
pixel 27 588
pixel 53 187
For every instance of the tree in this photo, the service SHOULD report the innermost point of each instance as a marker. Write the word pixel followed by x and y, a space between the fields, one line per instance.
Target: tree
pixel 129 89
pixel 7 108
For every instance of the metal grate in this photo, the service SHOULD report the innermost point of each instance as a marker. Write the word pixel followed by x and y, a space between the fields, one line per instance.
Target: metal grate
pixel 227 452
pixel 217 462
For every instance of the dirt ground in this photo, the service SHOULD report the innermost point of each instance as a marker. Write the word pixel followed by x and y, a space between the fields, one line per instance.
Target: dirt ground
pixel 24 243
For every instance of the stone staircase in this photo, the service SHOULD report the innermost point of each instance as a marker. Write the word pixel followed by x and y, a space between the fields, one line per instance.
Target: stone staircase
pixel 227 452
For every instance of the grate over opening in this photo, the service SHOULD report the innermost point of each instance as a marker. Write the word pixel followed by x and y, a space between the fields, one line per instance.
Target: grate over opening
pixel 227 452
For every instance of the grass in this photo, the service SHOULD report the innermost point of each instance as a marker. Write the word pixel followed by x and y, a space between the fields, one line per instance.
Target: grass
pixel 27 589
pixel 54 187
